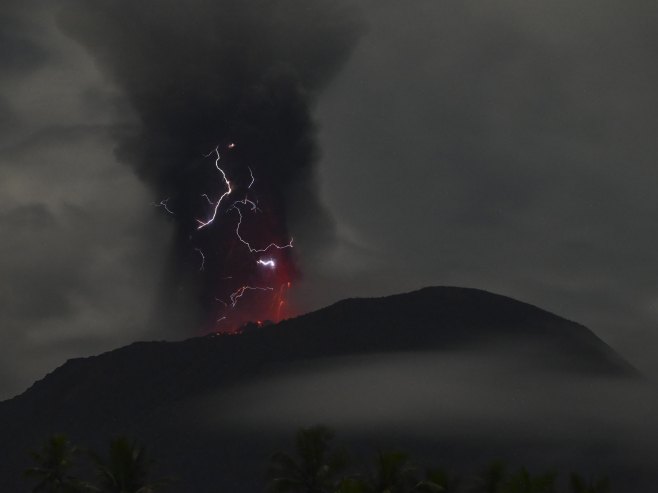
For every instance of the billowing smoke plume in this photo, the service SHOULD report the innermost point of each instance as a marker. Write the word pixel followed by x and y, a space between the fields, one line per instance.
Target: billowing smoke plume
pixel 209 73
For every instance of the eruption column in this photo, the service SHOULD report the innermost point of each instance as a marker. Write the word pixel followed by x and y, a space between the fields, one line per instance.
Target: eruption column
pixel 245 70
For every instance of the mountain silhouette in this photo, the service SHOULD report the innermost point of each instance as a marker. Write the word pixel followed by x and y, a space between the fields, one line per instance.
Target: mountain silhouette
pixel 139 390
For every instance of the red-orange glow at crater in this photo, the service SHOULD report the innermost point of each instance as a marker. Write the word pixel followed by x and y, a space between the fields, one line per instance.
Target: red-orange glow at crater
pixel 244 253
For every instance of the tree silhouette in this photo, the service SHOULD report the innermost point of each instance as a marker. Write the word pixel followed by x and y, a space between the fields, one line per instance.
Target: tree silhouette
pixel 524 482
pixel 448 483
pixel 579 485
pixel 53 467
pixel 126 470
pixel 394 473
pixel 492 478
pixel 315 469
pixel 352 485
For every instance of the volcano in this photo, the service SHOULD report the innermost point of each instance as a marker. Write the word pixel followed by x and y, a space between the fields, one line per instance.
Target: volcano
pixel 211 409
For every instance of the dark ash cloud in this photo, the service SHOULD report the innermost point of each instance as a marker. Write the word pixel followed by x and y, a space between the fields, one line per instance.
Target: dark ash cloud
pixel 209 73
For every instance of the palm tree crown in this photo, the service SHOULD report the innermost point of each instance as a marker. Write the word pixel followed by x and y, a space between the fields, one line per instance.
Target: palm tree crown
pixel 126 470
pixel 53 467
pixel 315 468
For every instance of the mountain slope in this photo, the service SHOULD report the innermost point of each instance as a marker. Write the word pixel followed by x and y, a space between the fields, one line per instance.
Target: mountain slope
pixel 140 388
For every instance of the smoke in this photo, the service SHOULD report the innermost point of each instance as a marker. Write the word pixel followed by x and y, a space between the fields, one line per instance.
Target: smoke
pixel 207 73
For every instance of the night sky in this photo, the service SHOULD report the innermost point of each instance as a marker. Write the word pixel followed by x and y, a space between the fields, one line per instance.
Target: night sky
pixel 506 145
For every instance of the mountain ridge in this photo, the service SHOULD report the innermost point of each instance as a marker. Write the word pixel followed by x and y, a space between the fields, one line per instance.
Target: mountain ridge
pixel 137 389
pixel 338 311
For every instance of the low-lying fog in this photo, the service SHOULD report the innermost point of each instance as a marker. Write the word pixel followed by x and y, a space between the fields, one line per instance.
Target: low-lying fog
pixel 486 404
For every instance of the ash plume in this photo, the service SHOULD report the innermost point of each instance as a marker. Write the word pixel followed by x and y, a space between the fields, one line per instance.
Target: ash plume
pixel 202 74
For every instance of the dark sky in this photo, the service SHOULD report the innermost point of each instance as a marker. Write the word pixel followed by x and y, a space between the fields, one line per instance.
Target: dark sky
pixel 504 145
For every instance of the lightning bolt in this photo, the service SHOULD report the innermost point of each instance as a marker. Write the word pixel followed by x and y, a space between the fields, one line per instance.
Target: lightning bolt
pixel 163 203
pixel 224 314
pixel 252 249
pixel 203 224
pixel 252 177
pixel 203 258
pixel 238 294
pixel 246 201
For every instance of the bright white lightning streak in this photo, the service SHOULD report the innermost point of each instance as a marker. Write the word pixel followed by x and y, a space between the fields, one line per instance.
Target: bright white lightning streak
pixel 163 203
pixel 256 250
pixel 220 319
pixel 203 258
pixel 203 224
pixel 238 294
pixel 269 263
pixel 207 198
pixel 246 201
pixel 252 177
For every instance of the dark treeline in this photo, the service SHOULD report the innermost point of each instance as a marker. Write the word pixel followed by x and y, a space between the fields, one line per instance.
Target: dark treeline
pixel 315 466
pixel 58 468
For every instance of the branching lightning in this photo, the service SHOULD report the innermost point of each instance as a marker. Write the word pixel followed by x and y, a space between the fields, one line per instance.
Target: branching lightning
pixel 248 245
pixel 245 201
pixel 226 313
pixel 203 224
pixel 238 294
pixel 163 204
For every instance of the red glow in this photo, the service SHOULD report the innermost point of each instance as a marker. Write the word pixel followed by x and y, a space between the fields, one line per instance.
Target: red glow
pixel 247 261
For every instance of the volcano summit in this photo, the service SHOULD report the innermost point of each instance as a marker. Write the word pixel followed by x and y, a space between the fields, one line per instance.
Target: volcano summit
pixel 212 408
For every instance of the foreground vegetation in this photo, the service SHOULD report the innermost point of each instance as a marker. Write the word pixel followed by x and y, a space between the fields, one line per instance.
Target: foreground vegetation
pixel 315 466
pixel 126 469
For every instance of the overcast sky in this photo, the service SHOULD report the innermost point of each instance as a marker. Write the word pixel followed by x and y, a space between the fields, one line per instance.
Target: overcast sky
pixel 505 145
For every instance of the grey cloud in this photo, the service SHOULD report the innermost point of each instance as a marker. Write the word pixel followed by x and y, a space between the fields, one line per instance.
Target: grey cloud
pixel 19 50
pixel 507 145
pixel 79 256
pixel 38 283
